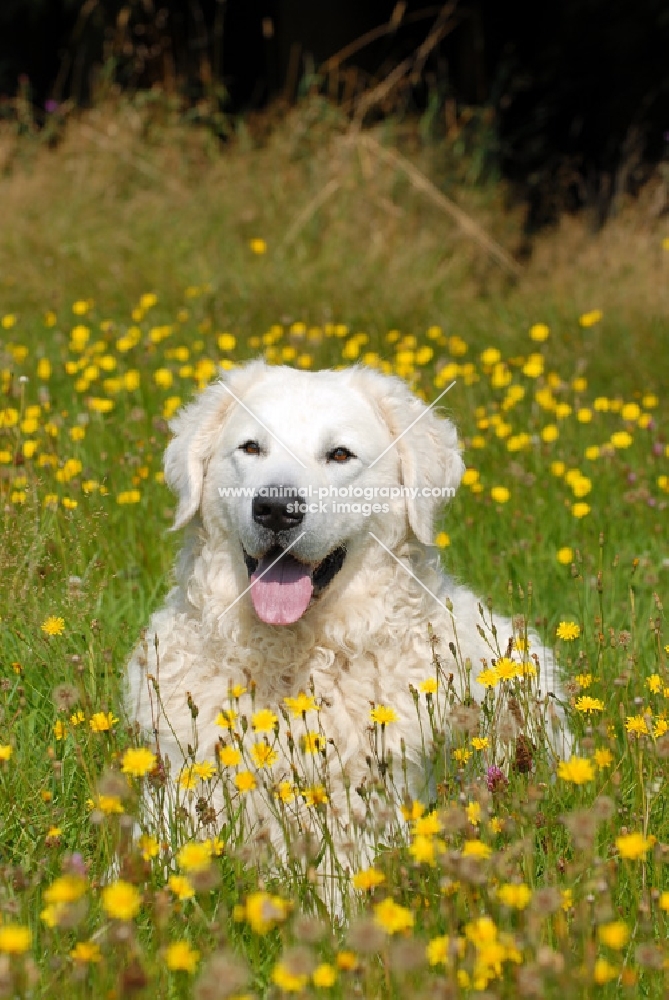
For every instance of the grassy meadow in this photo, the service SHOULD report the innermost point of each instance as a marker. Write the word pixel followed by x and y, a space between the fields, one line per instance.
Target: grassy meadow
pixel 137 257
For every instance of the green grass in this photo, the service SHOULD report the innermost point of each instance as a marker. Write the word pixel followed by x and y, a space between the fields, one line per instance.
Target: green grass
pixel 133 204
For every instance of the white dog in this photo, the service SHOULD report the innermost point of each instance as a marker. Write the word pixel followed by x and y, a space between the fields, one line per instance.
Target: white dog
pixel 317 576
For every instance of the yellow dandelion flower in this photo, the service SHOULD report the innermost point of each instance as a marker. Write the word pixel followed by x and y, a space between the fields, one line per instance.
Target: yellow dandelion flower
pixel 614 935
pixel 577 770
pixel 590 318
pixel 500 494
pixel 568 631
pixel 301 704
pixel 392 917
pixel 315 795
pixel 476 849
pixel 121 900
pixel 102 722
pixel 637 725
pixel 263 755
pixel 368 879
pixel 382 715
pixel 442 540
pixel 262 911
pixel 514 895
pixel 149 846
pixel 565 555
pixel 324 976
pixel 86 953
pixel 587 705
pixel 539 332
pixel 181 886
pixel 288 979
pixel 138 762
pixel 245 782
pixel 603 972
pixel 264 721
pixel 312 743
pixel 195 857
pixel 480 742
pixel 603 758
pixel 229 756
pixel 258 246
pixel 15 939
pixel 633 846
pixel 53 625
pixel 226 718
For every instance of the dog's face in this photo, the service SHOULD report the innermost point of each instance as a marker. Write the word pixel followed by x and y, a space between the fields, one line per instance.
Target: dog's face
pixel 299 469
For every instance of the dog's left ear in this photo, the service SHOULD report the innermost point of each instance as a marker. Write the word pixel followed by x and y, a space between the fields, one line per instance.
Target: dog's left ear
pixel 427 447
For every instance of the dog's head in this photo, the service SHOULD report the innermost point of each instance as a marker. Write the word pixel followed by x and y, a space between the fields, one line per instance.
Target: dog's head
pixel 297 469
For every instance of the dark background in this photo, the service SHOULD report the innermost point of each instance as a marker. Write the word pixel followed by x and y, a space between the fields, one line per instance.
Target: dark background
pixel 578 90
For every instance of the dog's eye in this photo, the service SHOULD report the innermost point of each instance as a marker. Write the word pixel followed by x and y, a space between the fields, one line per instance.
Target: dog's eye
pixel 340 455
pixel 250 448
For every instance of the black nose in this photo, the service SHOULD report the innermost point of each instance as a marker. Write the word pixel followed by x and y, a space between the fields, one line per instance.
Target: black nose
pixel 277 508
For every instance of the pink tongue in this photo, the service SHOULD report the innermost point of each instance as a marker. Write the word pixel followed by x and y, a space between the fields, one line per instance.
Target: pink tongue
pixel 280 595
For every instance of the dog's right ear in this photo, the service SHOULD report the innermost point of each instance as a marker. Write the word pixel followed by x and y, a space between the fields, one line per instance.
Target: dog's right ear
pixel 196 429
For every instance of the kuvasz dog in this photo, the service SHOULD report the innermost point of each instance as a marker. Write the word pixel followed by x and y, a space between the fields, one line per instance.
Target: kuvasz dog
pixel 308 568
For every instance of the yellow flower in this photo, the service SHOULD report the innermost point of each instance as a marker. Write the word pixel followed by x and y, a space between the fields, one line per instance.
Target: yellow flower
pixel 633 846
pixel 603 972
pixel 514 895
pixel 226 718
pixel 550 433
pixel 149 846
pixel 473 812
pixel 138 762
pixel 301 704
pixel 590 318
pixel 262 911
pixel 229 756
pixel 102 722
pixel 195 857
pixel 121 900
pixel 442 540
pixel 347 961
pixel 603 758
pixel 382 715
pixel 637 725
pixel 568 631
pixel 480 742
pixel 53 625
pixel 428 686
pixel 539 332
pixel 461 755
pixel 312 743
pixel 614 935
pixel 204 770
pixel 621 439
pixel 66 889
pixel 324 976
pixel 436 950
pixel 245 782
pixel 288 979
pixel 15 939
pixel 476 849
pixel 5 751
pixel 129 496
pixel 500 494
pixel 86 952
pixel 392 917
pixel 577 770
pixel 586 704
pixel 565 555
pixel 107 804
pixel 181 886
pixel 180 957
pixel 263 755
pixel 368 879
pixel 59 730
pixel 488 678
pixel 315 795
pixel 258 246
pixel 491 356
pixel 264 721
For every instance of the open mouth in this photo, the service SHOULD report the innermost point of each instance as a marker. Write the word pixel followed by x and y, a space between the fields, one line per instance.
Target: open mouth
pixel 283 586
